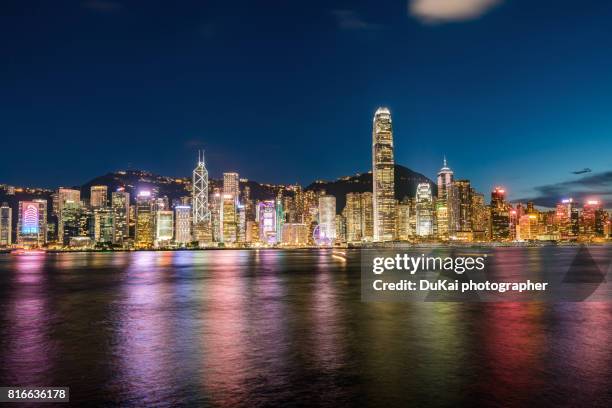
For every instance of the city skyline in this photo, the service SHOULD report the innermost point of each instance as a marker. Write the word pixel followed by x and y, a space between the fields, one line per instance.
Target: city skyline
pixel 226 215
pixel 502 101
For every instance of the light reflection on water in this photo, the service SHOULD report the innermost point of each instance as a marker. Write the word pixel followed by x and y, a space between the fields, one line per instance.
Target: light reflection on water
pixel 252 328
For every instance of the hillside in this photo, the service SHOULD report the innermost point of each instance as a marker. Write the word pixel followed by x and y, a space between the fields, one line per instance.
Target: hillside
pixel 406 182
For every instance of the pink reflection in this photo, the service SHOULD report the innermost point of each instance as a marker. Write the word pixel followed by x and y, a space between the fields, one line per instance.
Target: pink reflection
pixel 226 339
pixel 515 346
pixel 145 331
pixel 29 354
pixel 327 317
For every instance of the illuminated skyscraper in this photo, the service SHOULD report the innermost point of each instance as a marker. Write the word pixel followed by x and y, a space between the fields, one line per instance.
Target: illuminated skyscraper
pixel 424 211
pixel 228 219
pixel 500 216
pixel 103 220
pixel 76 221
pixel 352 215
pixel 61 197
pixel 164 227
pixel 6 225
pixel 98 197
pixel 32 223
pixel 443 204
pixel 231 185
pixel 182 224
pixel 403 220
pixel 144 220
pixel 266 215
pixel 593 219
pixel 120 202
pixel 445 179
pixel 528 228
pixel 327 219
pixel 480 217
pixel 383 176
pixel 199 197
pixel 460 198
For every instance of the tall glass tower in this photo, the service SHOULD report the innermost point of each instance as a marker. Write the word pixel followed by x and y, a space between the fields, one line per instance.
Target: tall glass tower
pixel 383 176
pixel 199 193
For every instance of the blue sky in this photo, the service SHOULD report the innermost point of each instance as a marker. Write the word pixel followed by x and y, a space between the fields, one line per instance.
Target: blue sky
pixel 516 93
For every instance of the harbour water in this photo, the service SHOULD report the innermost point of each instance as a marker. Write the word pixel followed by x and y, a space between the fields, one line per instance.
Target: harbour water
pixel 287 328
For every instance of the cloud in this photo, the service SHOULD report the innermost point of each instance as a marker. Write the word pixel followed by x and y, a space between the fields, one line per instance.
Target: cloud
pixel 350 20
pixel 103 6
pixel 598 186
pixel 441 11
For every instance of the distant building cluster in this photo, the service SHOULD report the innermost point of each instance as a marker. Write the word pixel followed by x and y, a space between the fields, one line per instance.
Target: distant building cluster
pixel 229 216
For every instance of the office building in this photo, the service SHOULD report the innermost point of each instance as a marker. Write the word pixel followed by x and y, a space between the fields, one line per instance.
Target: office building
pixel 6 225
pixel 182 224
pixel 98 197
pixel 383 176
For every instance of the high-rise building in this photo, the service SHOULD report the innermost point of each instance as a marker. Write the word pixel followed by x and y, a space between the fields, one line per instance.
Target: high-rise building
pixel 352 214
pixel 295 234
pixel 144 237
pixel 266 216
pixel 103 221
pixel 424 211
pixel 460 197
pixel 231 185
pixel 528 227
pixel 6 225
pixel 403 220
pixel 228 219
pixel 383 176
pixel 445 180
pixel 98 197
pixel 32 223
pixel 358 213
pixel 593 219
pixel 164 227
pixel 216 202
pixel 327 219
pixel 500 216
pixel 182 224
pixel 201 213
pixel 60 198
pixel 480 217
pixel 76 221
pixel 120 202
pixel 444 203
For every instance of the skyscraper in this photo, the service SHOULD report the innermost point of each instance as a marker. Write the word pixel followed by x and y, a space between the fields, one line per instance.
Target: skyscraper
pixel 228 219
pixel 6 222
pixel 164 227
pixel 182 224
pixel 327 219
pixel 266 215
pixel 98 197
pixel 120 202
pixel 144 220
pixel 61 197
pixel 103 221
pixel 500 215
pixel 383 176
pixel 201 212
pixel 424 211
pixel 231 185
pixel 32 223
pixel 443 204
pixel 445 179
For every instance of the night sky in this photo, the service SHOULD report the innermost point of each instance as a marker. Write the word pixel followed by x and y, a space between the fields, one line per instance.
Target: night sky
pixel 517 93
